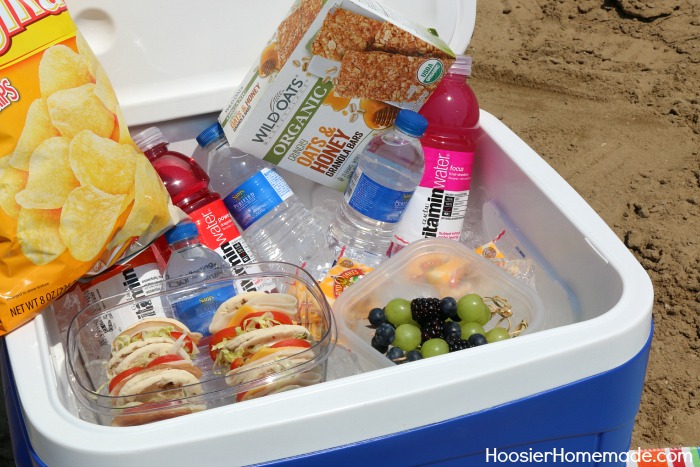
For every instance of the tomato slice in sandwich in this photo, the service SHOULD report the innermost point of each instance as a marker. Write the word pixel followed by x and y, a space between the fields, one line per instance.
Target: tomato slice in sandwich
pixel 218 337
pixel 164 359
pixel 292 343
pixel 122 376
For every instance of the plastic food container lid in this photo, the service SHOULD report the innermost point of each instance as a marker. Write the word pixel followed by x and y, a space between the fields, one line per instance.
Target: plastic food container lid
pixel 431 268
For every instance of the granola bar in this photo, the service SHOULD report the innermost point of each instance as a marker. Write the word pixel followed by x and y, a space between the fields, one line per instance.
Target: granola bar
pixel 391 38
pixel 289 33
pixel 309 11
pixel 383 76
pixel 344 30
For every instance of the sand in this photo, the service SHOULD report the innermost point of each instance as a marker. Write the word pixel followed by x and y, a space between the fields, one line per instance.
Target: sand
pixel 607 92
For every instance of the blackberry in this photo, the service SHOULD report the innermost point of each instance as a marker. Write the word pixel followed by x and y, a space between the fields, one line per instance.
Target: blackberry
pixel 431 330
pixel 457 344
pixel 425 310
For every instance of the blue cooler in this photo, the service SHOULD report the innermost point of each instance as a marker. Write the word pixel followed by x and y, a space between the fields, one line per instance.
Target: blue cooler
pixel 568 393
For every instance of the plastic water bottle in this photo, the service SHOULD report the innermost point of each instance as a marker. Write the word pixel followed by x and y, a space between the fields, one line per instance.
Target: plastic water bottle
pixel 439 205
pixel 274 220
pixel 188 186
pixel 387 174
pixel 209 140
pixel 190 263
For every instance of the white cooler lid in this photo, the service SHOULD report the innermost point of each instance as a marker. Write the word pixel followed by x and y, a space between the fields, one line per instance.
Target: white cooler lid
pixel 186 58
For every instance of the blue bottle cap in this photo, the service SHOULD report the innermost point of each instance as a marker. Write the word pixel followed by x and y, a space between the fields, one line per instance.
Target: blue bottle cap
pixel 211 133
pixel 410 122
pixel 181 231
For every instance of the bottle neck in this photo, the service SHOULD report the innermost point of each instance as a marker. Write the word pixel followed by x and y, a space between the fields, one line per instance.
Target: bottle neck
pixel 214 145
pixel 184 243
pixel 156 151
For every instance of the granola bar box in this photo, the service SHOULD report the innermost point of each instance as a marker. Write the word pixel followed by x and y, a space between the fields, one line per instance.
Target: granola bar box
pixel 333 74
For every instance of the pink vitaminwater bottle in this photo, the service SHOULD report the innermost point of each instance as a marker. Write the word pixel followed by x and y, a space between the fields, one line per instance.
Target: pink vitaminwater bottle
pixel 188 186
pixel 439 205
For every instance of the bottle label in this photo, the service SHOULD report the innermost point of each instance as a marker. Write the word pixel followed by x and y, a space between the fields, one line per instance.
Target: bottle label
pixel 138 277
pixel 375 201
pixel 257 196
pixel 439 204
pixel 218 232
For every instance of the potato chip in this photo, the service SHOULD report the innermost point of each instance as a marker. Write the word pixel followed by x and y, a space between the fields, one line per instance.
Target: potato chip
pixel 61 68
pixel 86 52
pixel 37 233
pixel 77 109
pixel 150 207
pixel 104 90
pixel 37 128
pixel 11 182
pixel 87 220
pixel 51 178
pixel 103 163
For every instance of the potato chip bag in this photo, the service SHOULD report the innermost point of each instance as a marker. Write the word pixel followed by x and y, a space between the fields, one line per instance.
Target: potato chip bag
pixel 76 195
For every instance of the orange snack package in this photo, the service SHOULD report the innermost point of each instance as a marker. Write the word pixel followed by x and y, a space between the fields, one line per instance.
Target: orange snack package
pixel 76 194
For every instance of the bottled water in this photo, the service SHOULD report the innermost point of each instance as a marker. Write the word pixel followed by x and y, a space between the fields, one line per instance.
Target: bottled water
pixel 190 263
pixel 209 140
pixel 274 221
pixel 387 174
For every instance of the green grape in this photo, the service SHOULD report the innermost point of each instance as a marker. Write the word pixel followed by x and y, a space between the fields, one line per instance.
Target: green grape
pixel 406 337
pixel 434 347
pixel 471 308
pixel 398 311
pixel 497 334
pixel 470 328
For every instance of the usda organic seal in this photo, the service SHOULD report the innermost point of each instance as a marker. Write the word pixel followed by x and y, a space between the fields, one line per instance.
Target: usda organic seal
pixel 430 71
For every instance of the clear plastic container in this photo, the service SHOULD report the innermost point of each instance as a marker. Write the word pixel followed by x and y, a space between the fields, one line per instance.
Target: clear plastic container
pixel 89 349
pixel 430 268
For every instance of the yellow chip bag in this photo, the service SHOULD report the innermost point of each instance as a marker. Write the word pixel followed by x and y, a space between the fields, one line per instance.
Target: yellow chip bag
pixel 76 195
pixel 77 109
pixel 11 182
pixel 36 129
pixel 51 178
pixel 103 163
pixel 38 234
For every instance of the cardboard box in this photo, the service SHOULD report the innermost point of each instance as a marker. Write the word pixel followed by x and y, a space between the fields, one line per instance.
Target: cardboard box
pixel 331 76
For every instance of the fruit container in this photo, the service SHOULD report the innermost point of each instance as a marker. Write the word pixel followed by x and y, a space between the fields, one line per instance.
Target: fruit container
pixel 436 268
pixel 91 333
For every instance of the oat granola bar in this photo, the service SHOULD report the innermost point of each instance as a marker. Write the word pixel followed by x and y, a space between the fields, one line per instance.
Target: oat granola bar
pixel 383 76
pixel 289 33
pixel 309 11
pixel 342 31
pixel 391 38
